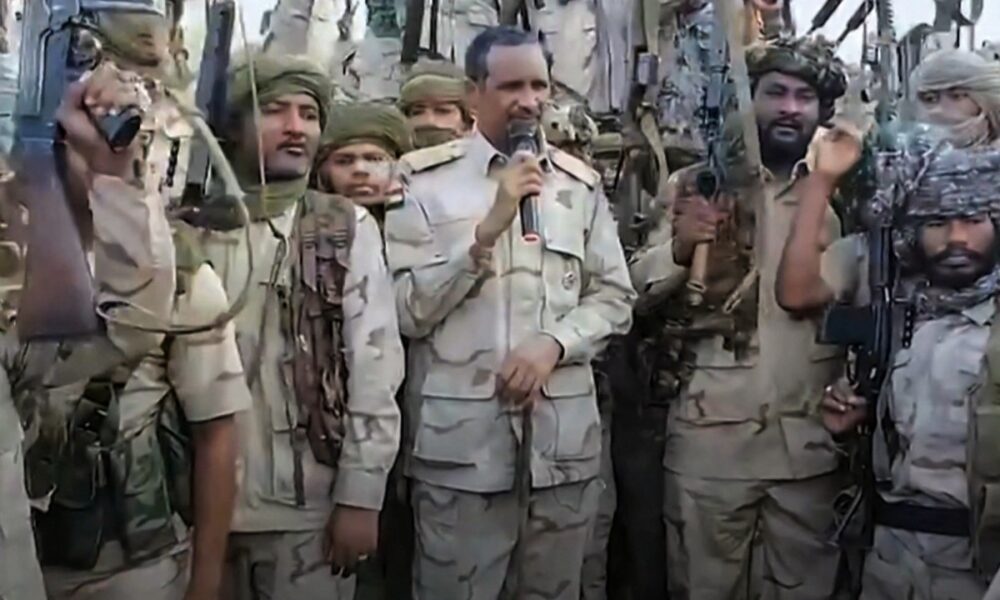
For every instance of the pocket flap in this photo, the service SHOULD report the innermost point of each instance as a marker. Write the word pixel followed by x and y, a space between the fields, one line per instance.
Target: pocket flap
pixel 455 431
pixel 570 381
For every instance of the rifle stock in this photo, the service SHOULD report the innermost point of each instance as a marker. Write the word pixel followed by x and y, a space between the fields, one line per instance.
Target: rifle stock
pixel 57 300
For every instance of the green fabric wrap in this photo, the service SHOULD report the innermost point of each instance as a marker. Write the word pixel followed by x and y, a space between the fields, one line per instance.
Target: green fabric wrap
pixel 278 76
pixel 434 80
pixel 274 199
pixel 358 122
pixel 810 59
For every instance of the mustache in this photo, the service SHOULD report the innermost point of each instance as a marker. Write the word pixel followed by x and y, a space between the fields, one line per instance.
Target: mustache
pixel 957 252
pixel 793 122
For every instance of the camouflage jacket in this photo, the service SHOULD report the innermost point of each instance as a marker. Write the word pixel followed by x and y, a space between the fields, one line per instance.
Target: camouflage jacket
pixel 266 501
pixel 928 399
pixel 463 321
pixel 763 405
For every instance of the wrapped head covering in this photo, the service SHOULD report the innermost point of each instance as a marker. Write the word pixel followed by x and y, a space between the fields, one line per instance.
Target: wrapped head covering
pixel 434 80
pixel 278 75
pixel 970 72
pixel 359 122
pixel 810 59
pixel 935 181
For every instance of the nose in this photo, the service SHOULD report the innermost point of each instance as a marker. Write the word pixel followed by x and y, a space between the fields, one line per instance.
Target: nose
pixel 958 233
pixel 294 123
pixel 790 105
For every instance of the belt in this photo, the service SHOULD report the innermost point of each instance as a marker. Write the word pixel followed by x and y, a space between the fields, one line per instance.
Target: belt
pixel 954 522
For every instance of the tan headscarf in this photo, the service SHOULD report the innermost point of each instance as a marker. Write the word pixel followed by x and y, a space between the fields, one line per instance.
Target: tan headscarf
pixel 980 78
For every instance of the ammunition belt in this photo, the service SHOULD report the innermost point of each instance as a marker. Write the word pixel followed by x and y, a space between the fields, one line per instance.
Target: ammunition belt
pixel 954 522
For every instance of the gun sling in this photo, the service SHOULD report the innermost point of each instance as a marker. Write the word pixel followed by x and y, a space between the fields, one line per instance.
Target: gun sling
pixel 954 522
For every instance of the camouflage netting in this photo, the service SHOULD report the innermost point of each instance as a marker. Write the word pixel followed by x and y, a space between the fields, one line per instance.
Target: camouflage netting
pixel 360 122
pixel 277 76
pixel 811 59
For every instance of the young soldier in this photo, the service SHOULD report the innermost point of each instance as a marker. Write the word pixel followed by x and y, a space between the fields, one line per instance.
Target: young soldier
pixel 947 244
pixel 435 99
pixel 747 459
pixel 320 343
pixel 358 153
pixel 501 327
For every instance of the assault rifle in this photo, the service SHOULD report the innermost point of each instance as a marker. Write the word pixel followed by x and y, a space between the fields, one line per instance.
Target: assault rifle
pixel 58 47
pixel 711 180
pixel 871 331
pixel 210 95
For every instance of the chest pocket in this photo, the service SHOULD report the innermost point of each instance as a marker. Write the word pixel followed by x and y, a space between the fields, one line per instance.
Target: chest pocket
pixel 564 256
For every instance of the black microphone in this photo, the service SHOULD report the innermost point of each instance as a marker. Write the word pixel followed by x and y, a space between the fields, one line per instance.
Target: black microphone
pixel 522 137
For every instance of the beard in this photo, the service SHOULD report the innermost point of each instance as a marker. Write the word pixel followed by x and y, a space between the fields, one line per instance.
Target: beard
pixel 958 267
pixel 785 142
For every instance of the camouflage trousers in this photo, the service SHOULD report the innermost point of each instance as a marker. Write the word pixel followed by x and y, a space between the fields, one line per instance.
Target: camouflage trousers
pixel 160 579
pixel 594 579
pixel 465 542
pixel 893 572
pixel 282 566
pixel 20 575
pixel 719 529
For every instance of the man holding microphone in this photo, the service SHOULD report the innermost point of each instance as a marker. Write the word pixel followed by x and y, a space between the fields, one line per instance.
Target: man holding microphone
pixel 504 320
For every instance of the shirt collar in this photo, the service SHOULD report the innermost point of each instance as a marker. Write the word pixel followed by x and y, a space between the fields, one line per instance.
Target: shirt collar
pixel 485 156
pixel 982 313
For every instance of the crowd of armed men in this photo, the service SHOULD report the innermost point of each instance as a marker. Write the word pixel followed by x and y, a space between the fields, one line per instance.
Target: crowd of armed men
pixel 411 359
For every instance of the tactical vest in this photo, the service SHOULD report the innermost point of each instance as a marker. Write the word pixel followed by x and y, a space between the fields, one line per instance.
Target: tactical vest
pixel 983 460
pixel 313 316
pixel 111 478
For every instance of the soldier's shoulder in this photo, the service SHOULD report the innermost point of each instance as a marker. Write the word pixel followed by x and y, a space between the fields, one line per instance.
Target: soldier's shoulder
pixel 427 159
pixel 575 168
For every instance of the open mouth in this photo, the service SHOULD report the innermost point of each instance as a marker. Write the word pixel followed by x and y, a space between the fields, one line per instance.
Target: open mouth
pixel 293 149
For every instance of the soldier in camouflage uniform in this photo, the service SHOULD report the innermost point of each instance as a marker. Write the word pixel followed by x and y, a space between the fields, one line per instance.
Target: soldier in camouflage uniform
pixel 358 152
pixel 746 455
pixel 357 158
pixel 301 526
pixel 947 239
pixel 187 386
pixel 567 126
pixel 498 324
pixel 435 99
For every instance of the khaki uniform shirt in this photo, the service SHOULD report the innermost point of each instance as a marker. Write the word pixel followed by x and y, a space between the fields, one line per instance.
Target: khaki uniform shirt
pixel 755 418
pixel 928 402
pixel 374 354
pixel 464 321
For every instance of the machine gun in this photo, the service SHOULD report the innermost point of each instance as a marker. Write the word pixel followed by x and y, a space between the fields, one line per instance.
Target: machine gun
pixel 58 47
pixel 872 331
pixel 210 95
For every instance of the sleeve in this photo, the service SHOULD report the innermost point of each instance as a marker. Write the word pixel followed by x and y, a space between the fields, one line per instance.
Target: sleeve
pixel 375 366
pixel 135 275
pixel 654 273
pixel 429 281
pixel 205 369
pixel 842 267
pixel 606 299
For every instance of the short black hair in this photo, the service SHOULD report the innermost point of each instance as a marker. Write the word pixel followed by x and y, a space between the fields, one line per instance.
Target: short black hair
pixel 503 35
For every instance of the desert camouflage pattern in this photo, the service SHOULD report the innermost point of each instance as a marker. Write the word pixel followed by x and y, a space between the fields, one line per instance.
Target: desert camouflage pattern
pixel 166 140
pixel 743 424
pixel 161 578
pixel 569 31
pixel 266 501
pixel 465 541
pixel 573 286
pixel 931 387
pixel 714 526
pixel 594 575
pixel 282 565
pixel 755 417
